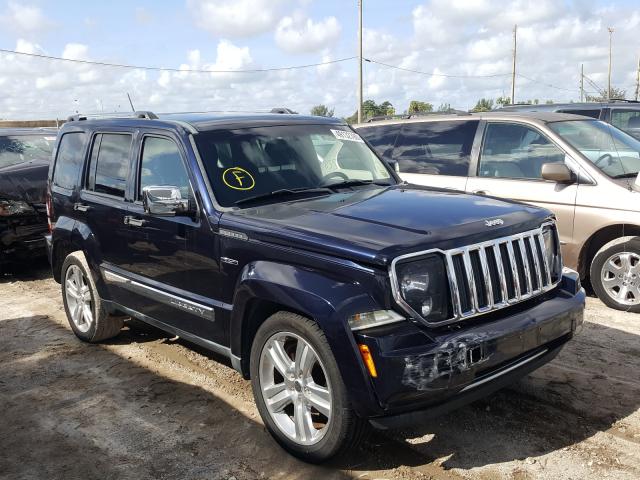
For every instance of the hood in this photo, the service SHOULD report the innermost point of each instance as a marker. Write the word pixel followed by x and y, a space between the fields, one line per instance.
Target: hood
pixel 24 181
pixel 374 225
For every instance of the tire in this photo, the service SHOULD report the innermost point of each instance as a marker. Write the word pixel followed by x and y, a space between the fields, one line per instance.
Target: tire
pixel 615 274
pixel 85 311
pixel 340 429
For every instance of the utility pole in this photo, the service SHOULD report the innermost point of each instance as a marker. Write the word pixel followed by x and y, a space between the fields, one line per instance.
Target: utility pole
pixel 582 82
pixel 609 86
pixel 513 70
pixel 360 61
pixel 638 80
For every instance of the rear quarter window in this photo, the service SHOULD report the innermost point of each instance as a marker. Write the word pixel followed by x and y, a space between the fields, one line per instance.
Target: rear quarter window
pixel 382 138
pixel 437 148
pixel 585 113
pixel 69 160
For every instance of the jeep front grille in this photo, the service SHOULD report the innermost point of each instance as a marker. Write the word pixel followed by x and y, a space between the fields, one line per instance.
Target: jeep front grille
pixel 498 273
pixel 491 275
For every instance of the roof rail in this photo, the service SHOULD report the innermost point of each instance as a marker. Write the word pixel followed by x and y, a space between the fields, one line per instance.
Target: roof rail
pixel 623 100
pixel 282 110
pixel 138 114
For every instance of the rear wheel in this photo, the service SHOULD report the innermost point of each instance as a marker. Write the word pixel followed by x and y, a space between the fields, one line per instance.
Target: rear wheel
pixel 615 274
pixel 85 311
pixel 299 391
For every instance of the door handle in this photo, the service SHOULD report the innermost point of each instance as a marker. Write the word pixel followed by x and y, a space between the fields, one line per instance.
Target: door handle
pixel 81 207
pixel 480 192
pixel 134 222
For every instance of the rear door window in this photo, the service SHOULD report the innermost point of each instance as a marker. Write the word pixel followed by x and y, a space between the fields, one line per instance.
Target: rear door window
pixel 109 165
pixel 69 160
pixel 437 148
pixel 516 151
pixel 625 119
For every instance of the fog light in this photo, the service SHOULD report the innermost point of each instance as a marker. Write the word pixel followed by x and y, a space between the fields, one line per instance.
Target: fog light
pixel 360 321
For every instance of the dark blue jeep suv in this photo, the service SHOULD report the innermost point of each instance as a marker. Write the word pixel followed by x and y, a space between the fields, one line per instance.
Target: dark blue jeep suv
pixel 283 242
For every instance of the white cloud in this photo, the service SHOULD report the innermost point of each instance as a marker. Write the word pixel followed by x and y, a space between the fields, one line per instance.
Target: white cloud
pixel 24 18
pixel 235 18
pixel 298 34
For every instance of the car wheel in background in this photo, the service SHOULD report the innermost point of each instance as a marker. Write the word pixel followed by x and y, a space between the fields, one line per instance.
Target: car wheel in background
pixel 615 274
pixel 299 390
pixel 85 311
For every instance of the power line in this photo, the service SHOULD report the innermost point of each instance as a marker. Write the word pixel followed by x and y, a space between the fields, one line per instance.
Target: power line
pixel 436 74
pixel 171 69
pixel 548 84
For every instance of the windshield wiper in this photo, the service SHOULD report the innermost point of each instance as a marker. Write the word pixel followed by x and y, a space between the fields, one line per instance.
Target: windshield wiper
pixel 626 175
pixel 355 183
pixel 282 192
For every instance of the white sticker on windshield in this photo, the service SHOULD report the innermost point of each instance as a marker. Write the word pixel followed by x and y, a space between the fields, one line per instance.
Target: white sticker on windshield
pixel 344 135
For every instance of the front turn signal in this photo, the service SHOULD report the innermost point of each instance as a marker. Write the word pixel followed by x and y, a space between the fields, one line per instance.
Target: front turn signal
pixel 367 358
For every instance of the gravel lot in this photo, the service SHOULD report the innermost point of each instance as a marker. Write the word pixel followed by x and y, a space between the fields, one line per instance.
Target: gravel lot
pixel 147 406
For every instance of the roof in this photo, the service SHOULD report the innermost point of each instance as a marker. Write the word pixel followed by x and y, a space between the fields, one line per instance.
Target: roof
pixel 28 131
pixel 540 117
pixel 573 106
pixel 198 122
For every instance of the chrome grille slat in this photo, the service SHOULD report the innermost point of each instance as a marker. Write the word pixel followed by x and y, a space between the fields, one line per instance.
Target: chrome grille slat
pixel 466 258
pixel 536 262
pixel 515 267
pixel 514 270
pixel 503 278
pixel 487 278
pixel 527 268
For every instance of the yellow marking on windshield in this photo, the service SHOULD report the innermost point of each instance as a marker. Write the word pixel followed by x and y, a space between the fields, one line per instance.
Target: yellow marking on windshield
pixel 238 179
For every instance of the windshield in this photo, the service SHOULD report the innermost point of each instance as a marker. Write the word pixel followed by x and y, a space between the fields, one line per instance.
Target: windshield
pixel 16 149
pixel 613 151
pixel 255 162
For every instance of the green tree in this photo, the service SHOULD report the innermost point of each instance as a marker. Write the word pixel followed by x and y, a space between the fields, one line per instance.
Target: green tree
pixel 322 111
pixel 416 106
pixel 549 102
pixel 444 108
pixel 502 101
pixel 616 93
pixel 386 108
pixel 483 105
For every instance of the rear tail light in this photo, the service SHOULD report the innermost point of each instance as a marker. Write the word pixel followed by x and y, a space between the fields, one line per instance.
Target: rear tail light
pixel 49 211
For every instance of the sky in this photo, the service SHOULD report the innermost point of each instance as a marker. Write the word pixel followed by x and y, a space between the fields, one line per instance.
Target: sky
pixel 462 49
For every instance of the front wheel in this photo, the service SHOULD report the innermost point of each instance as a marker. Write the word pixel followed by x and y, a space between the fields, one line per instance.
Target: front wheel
pixel 615 274
pixel 299 391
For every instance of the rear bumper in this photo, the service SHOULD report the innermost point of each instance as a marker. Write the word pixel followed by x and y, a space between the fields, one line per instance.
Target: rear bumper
pixel 426 373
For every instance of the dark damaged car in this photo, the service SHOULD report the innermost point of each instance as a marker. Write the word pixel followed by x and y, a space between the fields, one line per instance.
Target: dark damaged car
pixel 285 244
pixel 25 155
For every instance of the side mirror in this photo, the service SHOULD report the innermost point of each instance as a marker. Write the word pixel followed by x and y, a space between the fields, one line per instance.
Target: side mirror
pixel 164 201
pixel 557 172
pixel 393 164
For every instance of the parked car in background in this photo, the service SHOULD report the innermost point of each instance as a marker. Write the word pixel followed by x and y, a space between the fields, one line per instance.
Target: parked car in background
pixel 624 114
pixel 583 170
pixel 285 244
pixel 25 155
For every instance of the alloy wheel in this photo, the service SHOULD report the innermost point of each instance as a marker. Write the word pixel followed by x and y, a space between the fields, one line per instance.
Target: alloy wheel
pixel 295 388
pixel 621 278
pixel 78 296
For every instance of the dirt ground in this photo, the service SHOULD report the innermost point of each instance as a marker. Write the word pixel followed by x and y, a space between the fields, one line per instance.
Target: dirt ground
pixel 147 406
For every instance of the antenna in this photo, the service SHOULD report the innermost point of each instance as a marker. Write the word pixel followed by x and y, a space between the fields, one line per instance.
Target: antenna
pixel 130 102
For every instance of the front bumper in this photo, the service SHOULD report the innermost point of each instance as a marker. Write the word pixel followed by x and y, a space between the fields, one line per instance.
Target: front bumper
pixel 21 238
pixel 423 373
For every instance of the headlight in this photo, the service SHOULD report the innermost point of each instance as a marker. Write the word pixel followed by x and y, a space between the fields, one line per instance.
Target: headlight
pixel 423 286
pixel 14 207
pixel 552 252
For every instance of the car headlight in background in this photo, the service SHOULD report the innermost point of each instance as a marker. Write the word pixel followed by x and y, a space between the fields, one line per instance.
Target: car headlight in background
pixel 552 251
pixel 423 286
pixel 14 207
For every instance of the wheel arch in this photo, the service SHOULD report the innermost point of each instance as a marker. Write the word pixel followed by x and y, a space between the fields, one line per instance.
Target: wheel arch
pixel 599 239
pixel 265 288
